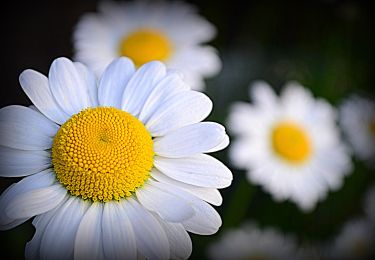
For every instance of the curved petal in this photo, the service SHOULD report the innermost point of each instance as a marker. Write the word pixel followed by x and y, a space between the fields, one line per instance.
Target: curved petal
pixel 118 235
pixel 89 78
pixel 57 241
pixel 169 207
pixel 36 87
pixel 140 86
pixel 88 241
pixel 182 109
pixel 16 163
pixel 152 242
pixel 179 240
pixel 113 82
pixel 262 94
pixel 211 195
pixel 200 170
pixel 190 140
pixel 222 145
pixel 33 182
pixel 68 86
pixel 25 129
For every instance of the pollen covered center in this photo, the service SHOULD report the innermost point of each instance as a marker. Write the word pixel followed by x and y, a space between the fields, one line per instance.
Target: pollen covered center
pixel 102 154
pixel 291 142
pixel 145 45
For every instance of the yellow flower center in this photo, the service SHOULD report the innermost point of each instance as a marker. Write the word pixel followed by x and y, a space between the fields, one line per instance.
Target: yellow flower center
pixel 145 45
pixel 291 142
pixel 102 154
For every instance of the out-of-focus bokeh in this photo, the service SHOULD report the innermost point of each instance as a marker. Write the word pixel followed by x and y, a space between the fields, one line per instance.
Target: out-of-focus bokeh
pixel 326 45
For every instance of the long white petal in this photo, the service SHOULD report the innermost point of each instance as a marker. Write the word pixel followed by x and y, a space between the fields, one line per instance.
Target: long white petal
pixel 90 81
pixel 113 82
pixel 25 129
pixel 181 109
pixel 190 140
pixel 118 235
pixel 152 242
pixel 140 86
pixel 220 146
pixel 88 241
pixel 36 87
pixel 16 163
pixel 168 206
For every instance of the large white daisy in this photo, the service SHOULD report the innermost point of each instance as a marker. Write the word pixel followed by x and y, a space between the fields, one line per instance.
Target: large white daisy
pixel 357 119
pixel 115 168
pixel 171 32
pixel 289 145
pixel 250 242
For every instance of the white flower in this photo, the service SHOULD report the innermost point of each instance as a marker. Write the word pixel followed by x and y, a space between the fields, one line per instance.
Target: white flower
pixel 357 119
pixel 250 242
pixel 171 32
pixel 115 168
pixel 356 240
pixel 289 145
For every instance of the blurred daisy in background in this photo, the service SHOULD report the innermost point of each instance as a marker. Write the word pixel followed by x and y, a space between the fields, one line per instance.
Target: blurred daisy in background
pixel 114 169
pixel 289 145
pixel 250 242
pixel 356 240
pixel 172 32
pixel 357 119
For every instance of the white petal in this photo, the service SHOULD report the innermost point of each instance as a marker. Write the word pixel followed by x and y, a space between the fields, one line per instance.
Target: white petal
pixel 118 235
pixel 89 79
pixel 179 240
pixel 25 129
pixel 35 202
pixel 182 109
pixel 220 146
pixel 210 195
pixel 113 82
pixel 16 163
pixel 88 241
pixel 168 206
pixel 58 239
pixel 200 170
pixel 167 87
pixel 36 87
pixel 68 86
pixel 190 140
pixel 262 94
pixel 36 181
pixel 140 86
pixel 152 242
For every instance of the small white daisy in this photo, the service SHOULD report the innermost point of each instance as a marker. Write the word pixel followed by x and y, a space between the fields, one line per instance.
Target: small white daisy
pixel 250 242
pixel 115 168
pixel 289 145
pixel 355 241
pixel 171 32
pixel 357 119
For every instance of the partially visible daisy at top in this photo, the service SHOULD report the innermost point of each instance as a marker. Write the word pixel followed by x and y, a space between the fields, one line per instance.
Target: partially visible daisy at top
pixel 115 168
pixel 357 119
pixel 251 242
pixel 172 32
pixel 290 144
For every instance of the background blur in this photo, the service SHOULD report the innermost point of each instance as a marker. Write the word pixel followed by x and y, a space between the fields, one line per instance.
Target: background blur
pixel 326 45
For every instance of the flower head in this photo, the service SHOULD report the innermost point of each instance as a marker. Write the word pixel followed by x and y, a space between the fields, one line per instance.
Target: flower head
pixel 289 144
pixel 171 32
pixel 115 168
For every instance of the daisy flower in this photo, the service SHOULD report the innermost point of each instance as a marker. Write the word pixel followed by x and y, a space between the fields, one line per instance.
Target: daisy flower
pixel 116 168
pixel 289 144
pixel 357 119
pixel 250 242
pixel 172 32
pixel 356 240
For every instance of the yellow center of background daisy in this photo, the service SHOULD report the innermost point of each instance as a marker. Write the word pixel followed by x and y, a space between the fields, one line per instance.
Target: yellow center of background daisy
pixel 102 154
pixel 291 142
pixel 145 45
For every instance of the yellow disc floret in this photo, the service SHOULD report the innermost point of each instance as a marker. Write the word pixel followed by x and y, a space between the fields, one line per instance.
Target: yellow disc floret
pixel 145 45
pixel 102 154
pixel 291 142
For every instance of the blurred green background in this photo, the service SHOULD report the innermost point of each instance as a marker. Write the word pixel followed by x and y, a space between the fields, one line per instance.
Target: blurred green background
pixel 328 46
